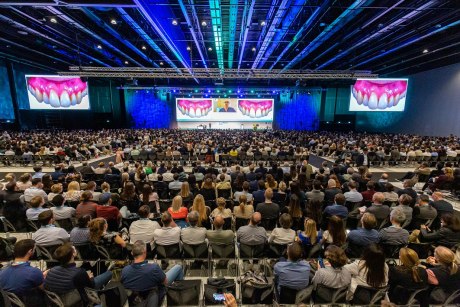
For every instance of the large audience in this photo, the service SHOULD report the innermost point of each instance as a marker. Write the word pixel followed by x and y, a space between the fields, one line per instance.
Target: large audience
pixel 336 226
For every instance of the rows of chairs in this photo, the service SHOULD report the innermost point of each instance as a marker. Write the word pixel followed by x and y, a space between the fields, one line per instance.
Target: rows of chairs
pixel 34 160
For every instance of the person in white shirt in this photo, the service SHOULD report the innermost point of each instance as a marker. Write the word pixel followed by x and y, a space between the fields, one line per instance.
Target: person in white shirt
pixel 35 190
pixel 60 211
pixel 48 234
pixel 193 235
pixel 144 228
pixel 168 234
pixel 283 235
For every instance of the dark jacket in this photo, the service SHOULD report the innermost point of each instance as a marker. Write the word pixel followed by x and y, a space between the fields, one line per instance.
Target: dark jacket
pixel 444 236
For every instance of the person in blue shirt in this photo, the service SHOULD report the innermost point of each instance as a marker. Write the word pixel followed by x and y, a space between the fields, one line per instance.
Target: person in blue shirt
pixel 227 107
pixel 338 208
pixel 22 279
pixel 363 236
pixel 293 273
pixel 142 276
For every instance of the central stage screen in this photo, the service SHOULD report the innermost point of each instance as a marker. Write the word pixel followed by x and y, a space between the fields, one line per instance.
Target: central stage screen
pixel 224 110
pixel 57 93
pixel 378 95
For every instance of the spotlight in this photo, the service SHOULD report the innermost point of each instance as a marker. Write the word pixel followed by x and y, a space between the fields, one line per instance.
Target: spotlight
pixel 53 20
pixel 425 51
pixel 263 23
pixel 144 48
pixel 161 63
pixel 113 21
pixel 253 49
pixel 126 62
pixel 188 48
pixel 209 49
pixel 174 22
pixel 99 46
pixel 204 23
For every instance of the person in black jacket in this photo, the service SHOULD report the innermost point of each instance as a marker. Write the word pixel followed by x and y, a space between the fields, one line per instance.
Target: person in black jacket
pixel 448 235
pixel 67 277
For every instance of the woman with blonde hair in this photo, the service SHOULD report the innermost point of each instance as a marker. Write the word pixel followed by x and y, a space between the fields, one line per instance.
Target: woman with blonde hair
pixel 73 191
pixel 124 179
pixel 444 272
pixel 203 211
pixel 310 236
pixel 120 155
pixel 185 193
pixel 10 177
pixel 25 182
pixel 98 235
pixel 270 182
pixel 441 181
pixel 55 190
pixel 221 210
pixel 408 275
pixel 244 210
pixel 176 210
pixel 105 187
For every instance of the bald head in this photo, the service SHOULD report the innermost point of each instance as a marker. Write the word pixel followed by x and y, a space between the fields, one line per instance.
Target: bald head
pixel 218 222
pixel 256 218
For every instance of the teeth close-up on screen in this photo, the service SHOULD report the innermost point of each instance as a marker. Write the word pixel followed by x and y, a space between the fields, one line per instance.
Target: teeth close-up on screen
pixel 379 94
pixel 255 108
pixel 57 93
pixel 194 108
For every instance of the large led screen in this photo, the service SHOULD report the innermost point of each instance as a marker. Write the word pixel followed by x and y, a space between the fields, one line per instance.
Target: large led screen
pixel 378 95
pixel 57 93
pixel 224 110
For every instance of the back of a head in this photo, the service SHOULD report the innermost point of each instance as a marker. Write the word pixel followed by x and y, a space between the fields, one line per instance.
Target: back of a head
pixel 294 251
pixel 64 253
pixel 83 221
pixel 397 215
pixel 22 247
pixel 261 184
pixel 451 221
pixel 268 194
pixel 339 199
pixel 378 198
pixel 193 218
pixel 166 218
pixel 36 181
pixel 374 262
pixel 218 222
pixel 144 211
pixel 369 221
pixel 370 185
pixel 255 218
pixel 351 185
pixel 424 199
pixel 317 185
pixel 36 201
pixel 58 200
pixel 10 186
pixel 336 256
pixel 405 199
pixel 285 220
pixel 86 196
pixel 45 217
pixel 331 183
pixel 138 248
pixel 446 257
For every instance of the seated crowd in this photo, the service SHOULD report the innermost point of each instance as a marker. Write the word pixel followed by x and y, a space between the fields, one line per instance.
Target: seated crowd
pixel 352 222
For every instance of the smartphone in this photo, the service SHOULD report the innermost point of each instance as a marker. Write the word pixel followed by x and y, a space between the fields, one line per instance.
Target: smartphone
pixel 219 297
pixel 321 262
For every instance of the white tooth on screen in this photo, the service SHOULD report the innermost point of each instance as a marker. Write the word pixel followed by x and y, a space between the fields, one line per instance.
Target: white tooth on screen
pixel 31 90
pixel 39 95
pixel 73 99
pixel 84 92
pixel 198 112
pixel 365 100
pixel 359 99
pixel 65 99
pixel 192 112
pixel 355 93
pixel 403 94
pixel 383 101
pixel 54 99
pixel 258 113
pixel 79 97
pixel 252 112
pixel 243 110
pixel 396 99
pixel 391 101
pixel 46 99
pixel 373 101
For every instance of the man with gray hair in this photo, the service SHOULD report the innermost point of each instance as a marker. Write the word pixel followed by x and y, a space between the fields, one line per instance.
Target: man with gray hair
pixel 193 235
pixel 252 234
pixel 168 234
pixel 395 235
pixel 218 235
pixel 141 276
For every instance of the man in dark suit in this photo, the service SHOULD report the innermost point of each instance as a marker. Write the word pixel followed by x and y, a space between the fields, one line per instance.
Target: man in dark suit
pixel 363 159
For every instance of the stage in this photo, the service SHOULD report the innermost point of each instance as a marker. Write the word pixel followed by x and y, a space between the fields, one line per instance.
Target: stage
pixel 224 125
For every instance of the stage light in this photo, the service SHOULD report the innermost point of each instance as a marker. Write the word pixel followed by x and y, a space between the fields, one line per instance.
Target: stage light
pixel 253 49
pixel 263 23
pixel 229 91
pixel 113 21
pixel 218 91
pixel 188 48
pixel 209 91
pixel 209 49
pixel 239 91
pixel 144 48
pixel 425 51
pixel 189 95
pixel 196 91
pixel 174 22
pixel 349 122
pixel 174 91
pixel 339 122
pixel 53 20
pixel 99 46
pixel 204 23
pixel 225 96
pixel 126 62
pixel 241 96
pixel 161 63
pixel 327 122
pixel 252 91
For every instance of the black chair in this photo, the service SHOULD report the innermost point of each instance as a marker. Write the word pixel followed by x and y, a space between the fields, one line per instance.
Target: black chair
pixel 454 298
pixel 423 249
pixel 251 251
pixel 222 250
pixel 114 295
pixel 240 222
pixel 195 251
pixel 392 251
pixel 32 225
pixel 327 295
pixel 368 296
pixel 225 193
pixel 65 223
pixel 8 299
pixel 287 295
pixel 269 224
pixel 46 252
pixel 173 193
pixel 183 292
pixel 86 251
pixel 6 225
pixel 227 223
pixel 172 251
pixel 276 250
pixel 401 295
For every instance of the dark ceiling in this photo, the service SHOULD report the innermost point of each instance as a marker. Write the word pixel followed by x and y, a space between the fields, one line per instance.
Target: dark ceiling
pixel 389 38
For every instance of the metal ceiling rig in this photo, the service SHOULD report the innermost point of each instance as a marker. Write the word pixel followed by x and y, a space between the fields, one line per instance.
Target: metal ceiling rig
pixel 213 73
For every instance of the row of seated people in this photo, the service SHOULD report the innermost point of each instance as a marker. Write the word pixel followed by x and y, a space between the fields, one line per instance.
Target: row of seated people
pixel 336 273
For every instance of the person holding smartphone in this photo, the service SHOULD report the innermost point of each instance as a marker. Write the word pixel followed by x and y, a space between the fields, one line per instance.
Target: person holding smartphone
pixel 331 273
